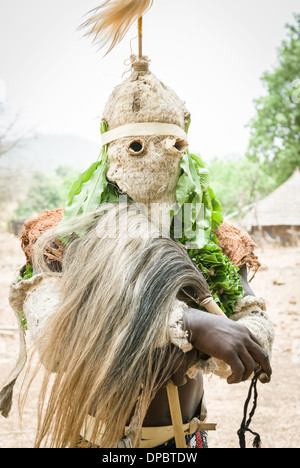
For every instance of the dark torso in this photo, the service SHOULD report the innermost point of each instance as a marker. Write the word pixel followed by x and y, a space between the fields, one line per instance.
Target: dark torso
pixel 190 396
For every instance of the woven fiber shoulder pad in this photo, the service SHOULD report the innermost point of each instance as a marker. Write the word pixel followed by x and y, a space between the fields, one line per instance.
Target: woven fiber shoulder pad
pixel 251 312
pixel 174 330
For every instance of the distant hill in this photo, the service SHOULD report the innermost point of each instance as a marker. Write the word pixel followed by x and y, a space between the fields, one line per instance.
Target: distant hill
pixel 45 153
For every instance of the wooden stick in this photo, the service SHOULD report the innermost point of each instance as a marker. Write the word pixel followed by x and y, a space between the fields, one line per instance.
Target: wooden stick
pixel 213 308
pixel 140 36
pixel 176 415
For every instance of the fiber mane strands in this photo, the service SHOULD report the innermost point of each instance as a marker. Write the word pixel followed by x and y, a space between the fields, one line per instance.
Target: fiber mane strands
pixel 109 334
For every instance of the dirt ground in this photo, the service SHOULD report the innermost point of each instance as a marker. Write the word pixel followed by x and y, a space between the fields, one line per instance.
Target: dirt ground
pixel 277 418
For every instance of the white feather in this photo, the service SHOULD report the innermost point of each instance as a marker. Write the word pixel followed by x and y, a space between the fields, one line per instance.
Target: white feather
pixel 110 21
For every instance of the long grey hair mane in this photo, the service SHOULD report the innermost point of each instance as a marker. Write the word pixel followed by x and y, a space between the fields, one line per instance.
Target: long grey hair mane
pixel 105 343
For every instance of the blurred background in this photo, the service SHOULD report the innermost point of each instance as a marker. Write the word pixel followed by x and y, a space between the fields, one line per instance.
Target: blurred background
pixel 237 66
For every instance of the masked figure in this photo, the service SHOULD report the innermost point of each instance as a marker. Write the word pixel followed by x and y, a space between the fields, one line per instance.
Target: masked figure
pixel 115 295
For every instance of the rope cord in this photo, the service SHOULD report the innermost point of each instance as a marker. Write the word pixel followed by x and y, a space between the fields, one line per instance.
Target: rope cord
pixel 245 424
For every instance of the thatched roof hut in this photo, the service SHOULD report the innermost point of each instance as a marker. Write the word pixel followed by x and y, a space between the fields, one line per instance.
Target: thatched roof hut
pixel 279 213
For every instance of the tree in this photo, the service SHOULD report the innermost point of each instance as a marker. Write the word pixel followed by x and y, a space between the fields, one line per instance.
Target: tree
pixel 275 130
pixel 238 182
pixel 11 136
pixel 46 192
pixel 8 137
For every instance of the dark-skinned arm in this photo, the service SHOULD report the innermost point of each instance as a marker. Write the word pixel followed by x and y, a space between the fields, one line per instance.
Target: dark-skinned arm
pixel 228 340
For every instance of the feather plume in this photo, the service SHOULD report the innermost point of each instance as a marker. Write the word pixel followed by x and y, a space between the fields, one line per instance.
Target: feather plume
pixel 110 21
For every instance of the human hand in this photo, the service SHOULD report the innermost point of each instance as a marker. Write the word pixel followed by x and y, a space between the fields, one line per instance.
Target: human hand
pixel 228 341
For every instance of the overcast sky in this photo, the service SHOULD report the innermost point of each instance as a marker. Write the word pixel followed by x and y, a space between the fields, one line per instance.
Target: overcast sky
pixel 211 52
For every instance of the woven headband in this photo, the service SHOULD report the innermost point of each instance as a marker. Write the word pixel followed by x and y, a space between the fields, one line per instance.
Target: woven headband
pixel 143 129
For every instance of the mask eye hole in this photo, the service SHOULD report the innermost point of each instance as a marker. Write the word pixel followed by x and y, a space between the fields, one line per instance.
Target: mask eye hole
pixel 136 146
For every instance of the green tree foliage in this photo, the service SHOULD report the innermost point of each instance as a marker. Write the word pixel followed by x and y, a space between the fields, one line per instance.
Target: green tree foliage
pixel 275 130
pixel 238 182
pixel 46 192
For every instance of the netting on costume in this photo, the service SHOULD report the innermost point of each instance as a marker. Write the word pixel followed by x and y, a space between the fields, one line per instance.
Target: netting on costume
pixel 34 228
pixel 238 246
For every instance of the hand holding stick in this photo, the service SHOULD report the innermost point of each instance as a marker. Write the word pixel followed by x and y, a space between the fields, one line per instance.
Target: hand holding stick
pixel 212 307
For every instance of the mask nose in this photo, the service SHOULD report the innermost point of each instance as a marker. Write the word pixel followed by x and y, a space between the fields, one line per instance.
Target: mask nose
pixel 176 145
